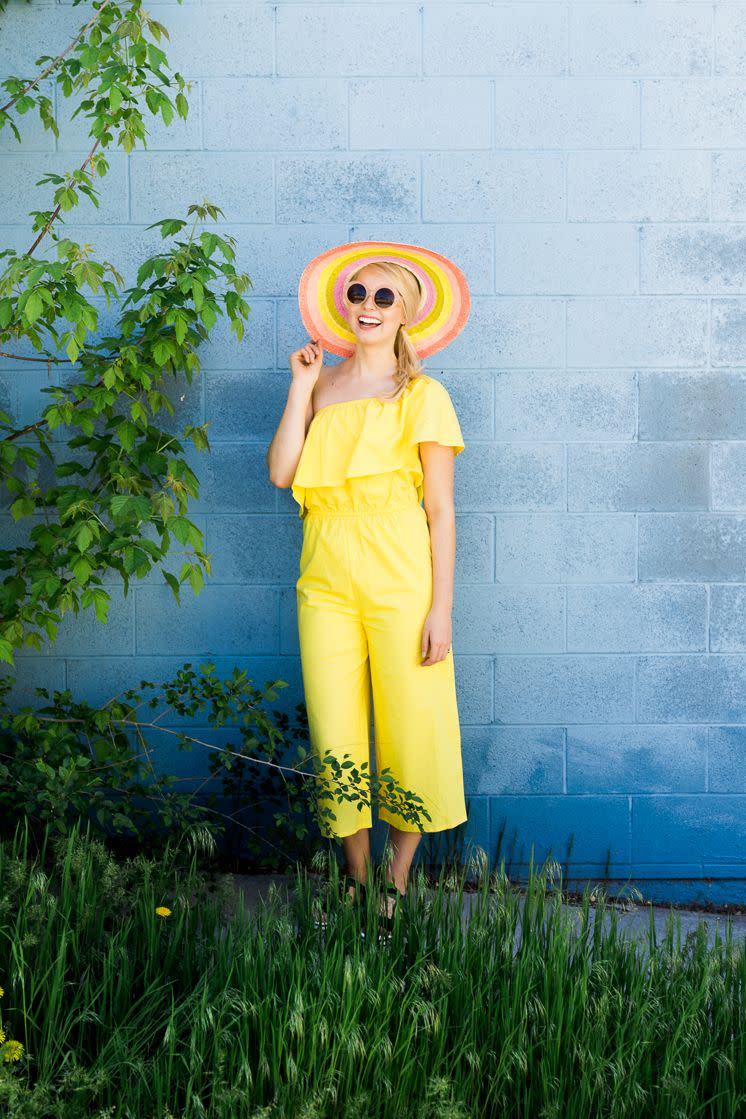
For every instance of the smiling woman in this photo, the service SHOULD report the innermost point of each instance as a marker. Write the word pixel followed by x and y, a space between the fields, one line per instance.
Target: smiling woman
pixel 363 442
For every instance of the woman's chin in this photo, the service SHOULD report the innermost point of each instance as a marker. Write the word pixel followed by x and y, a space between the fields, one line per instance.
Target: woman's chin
pixel 364 337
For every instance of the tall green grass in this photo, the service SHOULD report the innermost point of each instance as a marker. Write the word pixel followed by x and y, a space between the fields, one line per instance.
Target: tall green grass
pixel 526 1009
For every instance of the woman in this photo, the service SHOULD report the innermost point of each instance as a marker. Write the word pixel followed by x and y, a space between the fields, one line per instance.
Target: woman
pixel 362 443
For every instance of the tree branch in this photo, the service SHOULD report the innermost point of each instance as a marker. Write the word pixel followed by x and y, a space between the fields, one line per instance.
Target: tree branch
pixel 55 61
pixel 56 213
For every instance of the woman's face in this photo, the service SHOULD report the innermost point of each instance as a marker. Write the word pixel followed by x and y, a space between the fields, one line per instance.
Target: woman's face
pixel 388 319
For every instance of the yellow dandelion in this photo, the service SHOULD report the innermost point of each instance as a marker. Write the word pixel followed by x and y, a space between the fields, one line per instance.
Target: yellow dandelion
pixel 2 992
pixel 162 911
pixel 12 1051
pixel 2 1036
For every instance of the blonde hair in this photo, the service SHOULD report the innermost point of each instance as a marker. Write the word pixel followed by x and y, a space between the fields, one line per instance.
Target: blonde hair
pixel 407 286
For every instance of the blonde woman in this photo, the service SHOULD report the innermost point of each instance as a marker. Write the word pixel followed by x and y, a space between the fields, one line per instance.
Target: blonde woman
pixel 362 443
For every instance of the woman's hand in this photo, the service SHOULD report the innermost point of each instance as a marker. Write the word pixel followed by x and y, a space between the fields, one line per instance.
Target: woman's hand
pixel 436 633
pixel 306 363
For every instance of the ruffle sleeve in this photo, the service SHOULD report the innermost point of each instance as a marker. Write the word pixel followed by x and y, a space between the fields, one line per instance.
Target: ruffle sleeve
pixel 356 438
pixel 431 418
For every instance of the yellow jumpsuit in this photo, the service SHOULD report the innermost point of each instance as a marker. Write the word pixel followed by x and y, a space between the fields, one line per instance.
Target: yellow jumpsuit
pixel 364 591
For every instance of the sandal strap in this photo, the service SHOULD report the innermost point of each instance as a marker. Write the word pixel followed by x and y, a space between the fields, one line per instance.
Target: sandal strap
pixel 347 880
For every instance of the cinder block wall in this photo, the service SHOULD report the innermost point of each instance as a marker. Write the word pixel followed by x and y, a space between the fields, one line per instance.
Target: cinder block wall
pixel 585 165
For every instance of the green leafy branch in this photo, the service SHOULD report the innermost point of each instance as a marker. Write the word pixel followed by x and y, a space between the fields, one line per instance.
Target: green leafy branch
pixel 127 477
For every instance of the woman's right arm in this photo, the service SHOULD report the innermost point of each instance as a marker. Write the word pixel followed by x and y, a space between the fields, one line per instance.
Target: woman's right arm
pixel 285 449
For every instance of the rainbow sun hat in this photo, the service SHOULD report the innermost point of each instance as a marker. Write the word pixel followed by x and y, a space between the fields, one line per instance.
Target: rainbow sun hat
pixel 444 306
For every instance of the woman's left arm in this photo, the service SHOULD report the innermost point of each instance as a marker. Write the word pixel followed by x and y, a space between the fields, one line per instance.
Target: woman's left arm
pixel 437 468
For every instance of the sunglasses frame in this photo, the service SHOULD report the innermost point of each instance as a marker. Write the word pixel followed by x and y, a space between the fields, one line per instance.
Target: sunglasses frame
pixel 356 302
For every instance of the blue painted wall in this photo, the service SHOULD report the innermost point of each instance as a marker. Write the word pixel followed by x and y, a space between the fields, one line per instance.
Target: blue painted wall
pixel 585 164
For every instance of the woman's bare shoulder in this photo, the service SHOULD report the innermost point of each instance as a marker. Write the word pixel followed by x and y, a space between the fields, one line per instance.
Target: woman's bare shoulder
pixel 321 388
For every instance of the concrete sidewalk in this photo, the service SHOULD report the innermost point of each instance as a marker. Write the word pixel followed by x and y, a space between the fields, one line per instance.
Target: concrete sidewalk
pixel 633 918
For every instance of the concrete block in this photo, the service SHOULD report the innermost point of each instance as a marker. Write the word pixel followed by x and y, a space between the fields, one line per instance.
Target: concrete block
pixel 218 38
pixel 561 113
pixel 563 689
pixel 440 112
pixel 256 350
pixel 566 258
pixel 233 479
pixel 492 186
pixel 590 833
pixel 729 331
pixel 165 184
pixel 689 688
pixel 553 547
pixel 729 40
pixel 728 186
pixel 21 195
pixel 692 547
pixel 29 674
pixel 222 620
pixel 650 476
pixel 285 114
pixel 728 476
pixel 520 332
pixel 341 39
pixel 709 113
pixel 565 405
pixel 726 769
pixel 632 330
pixel 638 185
pixel 497 619
pixel 696 259
pixel 252 550
pixel 349 188
pixel 636 759
pixel 636 618
pixel 512 476
pixel 632 39
pixel 696 404
pixel 503 760
pixel 485 39
pixel 727 618
pixel 689 828
pixel 84 632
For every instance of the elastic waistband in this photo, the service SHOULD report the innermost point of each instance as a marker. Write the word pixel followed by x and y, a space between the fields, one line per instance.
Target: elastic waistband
pixel 372 511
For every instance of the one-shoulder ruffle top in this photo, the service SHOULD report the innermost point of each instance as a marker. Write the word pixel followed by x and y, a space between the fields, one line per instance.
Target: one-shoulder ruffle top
pixel 371 435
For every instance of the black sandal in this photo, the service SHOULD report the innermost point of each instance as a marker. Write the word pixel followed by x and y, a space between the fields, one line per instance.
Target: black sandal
pixel 345 882
pixel 386 922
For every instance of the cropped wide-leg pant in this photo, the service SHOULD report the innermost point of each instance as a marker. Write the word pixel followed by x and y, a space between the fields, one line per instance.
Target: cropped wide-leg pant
pixel 364 592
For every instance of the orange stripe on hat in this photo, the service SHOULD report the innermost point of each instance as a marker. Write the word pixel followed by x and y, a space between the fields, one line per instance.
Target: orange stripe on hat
pixel 444 308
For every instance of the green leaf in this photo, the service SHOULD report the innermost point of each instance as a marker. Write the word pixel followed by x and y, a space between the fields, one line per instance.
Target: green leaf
pixel 84 538
pixel 127 434
pixel 173 583
pixel 82 570
pixel 22 507
pixel 198 294
pixel 72 349
pixel 180 528
pixel 33 307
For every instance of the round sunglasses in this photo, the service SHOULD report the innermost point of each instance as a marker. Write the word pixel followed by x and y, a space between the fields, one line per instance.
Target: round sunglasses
pixel 384 297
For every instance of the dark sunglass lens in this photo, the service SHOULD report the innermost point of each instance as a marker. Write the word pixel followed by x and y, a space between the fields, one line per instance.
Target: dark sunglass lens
pixel 385 297
pixel 356 293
